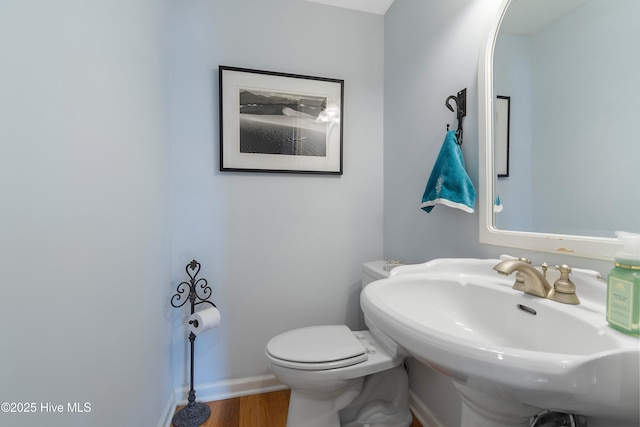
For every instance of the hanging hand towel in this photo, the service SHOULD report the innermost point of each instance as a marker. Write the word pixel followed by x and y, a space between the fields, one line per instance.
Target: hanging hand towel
pixel 449 183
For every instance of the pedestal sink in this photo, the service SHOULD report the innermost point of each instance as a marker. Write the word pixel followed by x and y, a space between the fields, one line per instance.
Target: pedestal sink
pixel 510 354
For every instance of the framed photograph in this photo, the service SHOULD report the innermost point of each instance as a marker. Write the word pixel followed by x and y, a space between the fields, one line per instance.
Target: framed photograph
pixel 277 122
pixel 501 146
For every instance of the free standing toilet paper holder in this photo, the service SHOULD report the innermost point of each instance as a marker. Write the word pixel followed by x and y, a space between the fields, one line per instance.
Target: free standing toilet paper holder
pixel 199 292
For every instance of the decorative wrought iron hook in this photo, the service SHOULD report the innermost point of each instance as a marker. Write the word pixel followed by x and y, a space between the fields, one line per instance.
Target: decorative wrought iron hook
pixel 449 99
pixel 461 110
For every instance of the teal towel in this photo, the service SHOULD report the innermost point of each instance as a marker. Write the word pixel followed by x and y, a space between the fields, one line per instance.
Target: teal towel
pixel 449 183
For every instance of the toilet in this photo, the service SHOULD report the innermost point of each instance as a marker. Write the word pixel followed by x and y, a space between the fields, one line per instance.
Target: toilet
pixel 339 377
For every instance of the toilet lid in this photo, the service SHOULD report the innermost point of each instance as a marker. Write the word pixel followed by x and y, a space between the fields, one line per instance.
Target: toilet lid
pixel 317 347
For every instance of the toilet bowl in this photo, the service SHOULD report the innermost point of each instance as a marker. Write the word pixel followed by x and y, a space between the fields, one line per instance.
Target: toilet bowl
pixel 339 377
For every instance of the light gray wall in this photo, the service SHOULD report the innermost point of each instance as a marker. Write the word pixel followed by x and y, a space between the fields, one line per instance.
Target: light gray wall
pixel 84 242
pixel 280 251
pixel 431 52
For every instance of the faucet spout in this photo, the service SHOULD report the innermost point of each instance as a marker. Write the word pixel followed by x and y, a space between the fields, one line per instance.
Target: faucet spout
pixel 534 282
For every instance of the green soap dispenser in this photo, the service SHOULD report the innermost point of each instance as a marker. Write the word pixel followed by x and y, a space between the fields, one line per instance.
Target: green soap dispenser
pixel 623 288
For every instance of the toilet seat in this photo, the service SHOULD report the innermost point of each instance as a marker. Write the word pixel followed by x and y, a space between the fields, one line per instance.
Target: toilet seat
pixel 317 348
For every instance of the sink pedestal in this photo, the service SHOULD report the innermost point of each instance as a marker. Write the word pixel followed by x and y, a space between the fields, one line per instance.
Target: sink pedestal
pixel 482 409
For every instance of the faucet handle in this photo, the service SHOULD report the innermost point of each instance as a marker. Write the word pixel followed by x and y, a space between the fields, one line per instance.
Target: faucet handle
pixel 563 289
pixel 564 283
pixel 544 266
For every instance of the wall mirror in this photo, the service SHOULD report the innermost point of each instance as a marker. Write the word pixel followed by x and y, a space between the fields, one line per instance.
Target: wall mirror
pixel 569 69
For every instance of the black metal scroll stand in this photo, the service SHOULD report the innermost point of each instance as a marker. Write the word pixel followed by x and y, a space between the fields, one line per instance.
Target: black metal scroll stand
pixel 461 107
pixel 194 413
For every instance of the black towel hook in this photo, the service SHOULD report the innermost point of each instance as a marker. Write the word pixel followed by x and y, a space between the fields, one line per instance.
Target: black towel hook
pixel 461 110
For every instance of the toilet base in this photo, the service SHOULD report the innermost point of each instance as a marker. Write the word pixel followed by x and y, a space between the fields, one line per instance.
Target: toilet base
pixel 377 400
pixel 383 401
pixel 311 409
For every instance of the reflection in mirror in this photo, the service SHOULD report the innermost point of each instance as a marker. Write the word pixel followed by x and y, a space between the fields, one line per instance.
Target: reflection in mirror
pixel 569 68
pixel 572 76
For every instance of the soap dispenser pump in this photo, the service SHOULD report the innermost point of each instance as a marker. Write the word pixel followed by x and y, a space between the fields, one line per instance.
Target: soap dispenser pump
pixel 623 288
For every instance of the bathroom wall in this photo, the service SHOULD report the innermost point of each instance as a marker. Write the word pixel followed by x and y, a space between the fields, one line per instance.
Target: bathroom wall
pixel 431 52
pixel 84 241
pixel 280 251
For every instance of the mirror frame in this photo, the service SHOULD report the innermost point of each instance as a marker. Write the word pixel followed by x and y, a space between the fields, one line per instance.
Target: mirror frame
pixel 583 246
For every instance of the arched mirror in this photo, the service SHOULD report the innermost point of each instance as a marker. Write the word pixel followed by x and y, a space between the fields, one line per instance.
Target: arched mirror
pixel 559 96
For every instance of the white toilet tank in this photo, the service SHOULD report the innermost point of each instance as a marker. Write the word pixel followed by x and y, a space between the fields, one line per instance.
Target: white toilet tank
pixel 372 271
pixel 376 270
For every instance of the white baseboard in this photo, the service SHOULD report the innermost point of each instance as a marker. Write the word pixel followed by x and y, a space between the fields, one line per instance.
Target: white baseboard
pixel 227 389
pixel 167 414
pixel 422 412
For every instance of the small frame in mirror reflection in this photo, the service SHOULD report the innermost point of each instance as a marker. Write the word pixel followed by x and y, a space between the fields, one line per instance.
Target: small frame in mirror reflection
pixel 278 122
pixel 502 131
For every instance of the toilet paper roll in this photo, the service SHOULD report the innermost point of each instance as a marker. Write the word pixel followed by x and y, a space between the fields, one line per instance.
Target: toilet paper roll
pixel 204 320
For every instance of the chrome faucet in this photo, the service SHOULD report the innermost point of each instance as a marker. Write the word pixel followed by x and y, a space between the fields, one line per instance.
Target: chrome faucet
pixel 532 282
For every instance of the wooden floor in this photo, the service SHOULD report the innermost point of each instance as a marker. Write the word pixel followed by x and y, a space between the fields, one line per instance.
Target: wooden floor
pixel 258 410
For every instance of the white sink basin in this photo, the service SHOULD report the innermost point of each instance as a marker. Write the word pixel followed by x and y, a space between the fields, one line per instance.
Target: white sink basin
pixel 507 349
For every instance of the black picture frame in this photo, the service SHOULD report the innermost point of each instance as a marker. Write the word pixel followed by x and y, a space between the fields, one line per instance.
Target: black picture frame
pixel 502 135
pixel 280 122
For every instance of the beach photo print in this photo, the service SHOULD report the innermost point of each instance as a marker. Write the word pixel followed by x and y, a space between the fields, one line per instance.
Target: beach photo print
pixel 278 122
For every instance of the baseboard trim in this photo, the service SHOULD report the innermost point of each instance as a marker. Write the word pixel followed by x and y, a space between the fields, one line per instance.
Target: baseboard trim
pixel 167 414
pixel 422 412
pixel 227 389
